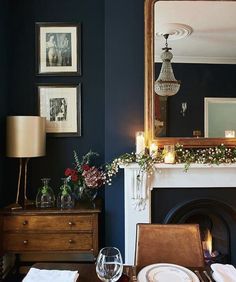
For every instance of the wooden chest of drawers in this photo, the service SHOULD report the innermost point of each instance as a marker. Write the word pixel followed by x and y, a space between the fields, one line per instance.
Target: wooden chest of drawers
pixel 52 231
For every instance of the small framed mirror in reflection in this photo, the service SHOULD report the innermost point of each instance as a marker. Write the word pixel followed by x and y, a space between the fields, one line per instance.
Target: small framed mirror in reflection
pixel 220 117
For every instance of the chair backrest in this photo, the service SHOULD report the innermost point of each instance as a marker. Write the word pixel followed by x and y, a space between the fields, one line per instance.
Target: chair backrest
pixel 168 243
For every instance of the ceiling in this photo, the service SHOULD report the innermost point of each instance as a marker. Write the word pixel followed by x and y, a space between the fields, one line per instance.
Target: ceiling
pixel 213 37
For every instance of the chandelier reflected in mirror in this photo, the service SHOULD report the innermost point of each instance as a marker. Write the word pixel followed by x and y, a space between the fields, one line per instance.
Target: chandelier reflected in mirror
pixel 166 83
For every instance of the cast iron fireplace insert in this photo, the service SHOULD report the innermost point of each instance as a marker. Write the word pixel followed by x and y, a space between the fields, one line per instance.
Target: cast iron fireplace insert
pixel 214 209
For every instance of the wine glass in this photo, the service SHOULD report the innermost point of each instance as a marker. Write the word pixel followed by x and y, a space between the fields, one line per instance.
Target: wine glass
pixel 109 266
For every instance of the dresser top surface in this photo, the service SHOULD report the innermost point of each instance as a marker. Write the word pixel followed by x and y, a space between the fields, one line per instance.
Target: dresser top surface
pixel 80 208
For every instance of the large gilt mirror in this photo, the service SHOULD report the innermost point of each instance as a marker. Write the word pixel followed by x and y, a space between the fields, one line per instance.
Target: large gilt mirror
pixel 202 35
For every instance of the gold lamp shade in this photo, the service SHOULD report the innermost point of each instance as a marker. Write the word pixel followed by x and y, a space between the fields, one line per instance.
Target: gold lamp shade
pixel 26 137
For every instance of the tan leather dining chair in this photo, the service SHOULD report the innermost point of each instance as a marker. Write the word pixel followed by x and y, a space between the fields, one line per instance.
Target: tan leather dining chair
pixel 168 243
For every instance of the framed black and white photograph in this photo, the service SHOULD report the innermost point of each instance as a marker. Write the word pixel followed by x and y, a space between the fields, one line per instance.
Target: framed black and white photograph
pixel 60 104
pixel 58 49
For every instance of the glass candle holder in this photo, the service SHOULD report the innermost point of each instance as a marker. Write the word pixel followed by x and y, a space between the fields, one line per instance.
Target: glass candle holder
pixel 140 142
pixel 197 133
pixel 153 149
pixel 169 154
pixel 230 133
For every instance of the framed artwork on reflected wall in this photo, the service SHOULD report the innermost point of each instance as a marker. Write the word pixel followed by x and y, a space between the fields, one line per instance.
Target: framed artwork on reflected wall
pixel 58 49
pixel 61 105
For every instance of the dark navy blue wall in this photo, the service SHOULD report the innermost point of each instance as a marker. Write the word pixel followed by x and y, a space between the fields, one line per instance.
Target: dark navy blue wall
pixel 124 72
pixel 112 111
pixel 22 91
pixel 3 90
pixel 197 81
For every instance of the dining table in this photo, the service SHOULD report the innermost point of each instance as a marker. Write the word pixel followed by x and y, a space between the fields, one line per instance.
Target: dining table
pixel 87 271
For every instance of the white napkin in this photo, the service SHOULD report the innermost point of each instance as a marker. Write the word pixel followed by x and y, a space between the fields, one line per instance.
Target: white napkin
pixel 223 272
pixel 43 275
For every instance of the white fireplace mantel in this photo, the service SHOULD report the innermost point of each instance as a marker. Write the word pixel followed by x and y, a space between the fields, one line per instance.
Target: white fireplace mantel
pixel 166 176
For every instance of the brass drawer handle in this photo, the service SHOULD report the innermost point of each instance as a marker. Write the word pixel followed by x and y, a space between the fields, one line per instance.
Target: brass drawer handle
pixel 71 241
pixel 25 242
pixel 25 222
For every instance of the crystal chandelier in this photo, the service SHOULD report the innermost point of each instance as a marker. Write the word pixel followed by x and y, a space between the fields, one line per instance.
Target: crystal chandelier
pixel 166 84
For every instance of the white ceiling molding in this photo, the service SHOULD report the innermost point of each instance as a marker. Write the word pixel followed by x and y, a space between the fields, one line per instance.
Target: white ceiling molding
pixel 176 31
pixel 213 39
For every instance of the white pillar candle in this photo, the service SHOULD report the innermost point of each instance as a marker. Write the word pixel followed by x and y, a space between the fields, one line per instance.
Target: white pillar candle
pixel 153 149
pixel 169 151
pixel 229 133
pixel 140 142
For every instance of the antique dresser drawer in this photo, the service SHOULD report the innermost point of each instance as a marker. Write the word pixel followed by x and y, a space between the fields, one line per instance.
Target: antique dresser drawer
pixel 48 223
pixel 48 242
pixel 37 234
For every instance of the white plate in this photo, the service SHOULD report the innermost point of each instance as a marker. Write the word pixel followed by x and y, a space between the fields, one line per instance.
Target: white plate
pixel 166 272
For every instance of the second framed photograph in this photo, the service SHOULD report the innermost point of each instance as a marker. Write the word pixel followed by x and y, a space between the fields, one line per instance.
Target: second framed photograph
pixel 58 49
pixel 61 105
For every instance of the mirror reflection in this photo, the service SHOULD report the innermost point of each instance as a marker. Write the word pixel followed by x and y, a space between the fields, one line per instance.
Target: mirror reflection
pixel 202 35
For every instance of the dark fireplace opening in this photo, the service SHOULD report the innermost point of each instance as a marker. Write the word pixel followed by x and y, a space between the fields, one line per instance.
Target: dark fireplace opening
pixel 214 233
pixel 216 220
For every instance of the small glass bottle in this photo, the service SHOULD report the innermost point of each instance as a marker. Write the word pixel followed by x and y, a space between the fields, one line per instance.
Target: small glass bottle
pixel 45 197
pixel 65 199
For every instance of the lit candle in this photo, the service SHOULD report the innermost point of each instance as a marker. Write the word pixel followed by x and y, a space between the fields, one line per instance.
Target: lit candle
pixel 153 150
pixel 229 133
pixel 169 151
pixel 140 142
pixel 197 133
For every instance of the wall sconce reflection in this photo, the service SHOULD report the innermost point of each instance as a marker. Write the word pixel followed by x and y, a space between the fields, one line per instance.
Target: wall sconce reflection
pixel 183 108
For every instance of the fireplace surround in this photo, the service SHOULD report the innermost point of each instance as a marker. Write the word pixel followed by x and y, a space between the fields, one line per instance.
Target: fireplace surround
pixel 204 194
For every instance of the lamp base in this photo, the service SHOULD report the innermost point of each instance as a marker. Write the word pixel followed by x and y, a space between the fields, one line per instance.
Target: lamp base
pixel 28 202
pixel 15 206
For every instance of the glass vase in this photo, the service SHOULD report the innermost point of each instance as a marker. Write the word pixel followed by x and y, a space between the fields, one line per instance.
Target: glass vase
pixel 45 197
pixel 65 198
pixel 85 193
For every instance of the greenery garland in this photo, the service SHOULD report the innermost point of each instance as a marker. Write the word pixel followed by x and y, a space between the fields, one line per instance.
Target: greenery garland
pixel 212 155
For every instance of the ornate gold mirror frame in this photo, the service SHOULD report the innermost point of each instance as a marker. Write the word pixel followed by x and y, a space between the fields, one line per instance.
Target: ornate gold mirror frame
pixel 149 92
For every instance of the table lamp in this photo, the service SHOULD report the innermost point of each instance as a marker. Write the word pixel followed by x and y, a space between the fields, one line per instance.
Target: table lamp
pixel 25 138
